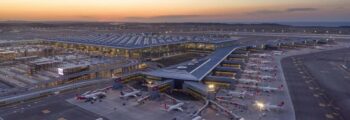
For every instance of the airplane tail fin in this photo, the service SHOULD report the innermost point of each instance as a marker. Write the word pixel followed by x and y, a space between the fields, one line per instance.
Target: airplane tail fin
pixel 78 97
pixel 281 104
pixel 164 106
pixel 280 87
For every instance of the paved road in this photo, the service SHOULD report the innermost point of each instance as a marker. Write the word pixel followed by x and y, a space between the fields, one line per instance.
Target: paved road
pixel 50 108
pixel 318 86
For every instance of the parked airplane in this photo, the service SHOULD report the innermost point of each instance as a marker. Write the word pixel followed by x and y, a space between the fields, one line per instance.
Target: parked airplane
pixel 267 68
pixel 277 52
pixel 250 71
pixel 248 81
pixel 241 94
pixel 252 65
pixel 91 96
pixel 266 77
pixel 135 93
pixel 177 106
pixel 269 89
pixel 265 62
pixel 197 118
pixel 265 89
pixel 263 55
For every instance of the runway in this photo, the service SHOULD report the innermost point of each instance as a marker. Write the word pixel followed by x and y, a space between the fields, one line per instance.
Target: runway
pixel 319 88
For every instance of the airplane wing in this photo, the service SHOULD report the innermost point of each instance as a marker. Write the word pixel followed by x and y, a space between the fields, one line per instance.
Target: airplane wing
pixel 133 89
pixel 180 109
pixel 85 93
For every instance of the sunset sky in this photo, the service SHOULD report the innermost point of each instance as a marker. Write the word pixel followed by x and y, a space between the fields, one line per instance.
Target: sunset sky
pixel 175 10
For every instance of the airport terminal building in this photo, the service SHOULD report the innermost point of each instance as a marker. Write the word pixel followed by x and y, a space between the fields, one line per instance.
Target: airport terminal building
pixel 222 65
pixel 141 45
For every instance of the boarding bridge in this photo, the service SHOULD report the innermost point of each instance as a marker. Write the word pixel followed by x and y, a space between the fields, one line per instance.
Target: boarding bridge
pixel 233 55
pixel 161 86
pixel 228 69
pixel 233 63
pixel 221 81
pixel 242 52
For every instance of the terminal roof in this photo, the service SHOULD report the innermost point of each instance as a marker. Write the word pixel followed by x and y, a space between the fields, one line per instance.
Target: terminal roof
pixel 200 70
pixel 137 40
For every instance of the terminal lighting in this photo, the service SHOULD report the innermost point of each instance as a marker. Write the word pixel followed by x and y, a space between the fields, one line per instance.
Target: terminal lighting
pixel 150 82
pixel 211 87
pixel 260 105
pixel 60 71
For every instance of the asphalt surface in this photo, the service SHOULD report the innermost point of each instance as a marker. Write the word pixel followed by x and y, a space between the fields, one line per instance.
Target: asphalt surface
pixel 318 85
pixel 49 108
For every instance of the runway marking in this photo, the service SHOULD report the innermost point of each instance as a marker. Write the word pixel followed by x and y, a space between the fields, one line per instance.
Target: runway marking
pixel 329 116
pixel 46 111
pixel 336 114
pixel 311 88
pixel 337 108
pixel 322 105
pixel 61 118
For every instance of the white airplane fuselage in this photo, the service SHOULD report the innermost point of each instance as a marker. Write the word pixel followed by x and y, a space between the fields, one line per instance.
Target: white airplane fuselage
pixel 131 94
pixel 176 107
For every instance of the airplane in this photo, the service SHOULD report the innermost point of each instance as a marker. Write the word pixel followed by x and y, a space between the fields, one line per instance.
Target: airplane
pixel 254 59
pixel 252 65
pixel 241 94
pixel 143 99
pixel 269 107
pixel 319 47
pixel 250 71
pixel 263 55
pixel 134 93
pixel 267 68
pixel 265 61
pixel 91 96
pixel 197 118
pixel 266 77
pixel 247 81
pixel 269 89
pixel 277 52
pixel 265 89
pixel 177 106
pixel 344 66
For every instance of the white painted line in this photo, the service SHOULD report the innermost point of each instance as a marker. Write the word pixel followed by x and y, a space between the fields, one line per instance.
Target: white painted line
pixel 200 65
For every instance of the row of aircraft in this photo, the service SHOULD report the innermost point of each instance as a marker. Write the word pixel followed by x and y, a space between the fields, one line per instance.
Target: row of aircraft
pixel 265 66
pixel 92 96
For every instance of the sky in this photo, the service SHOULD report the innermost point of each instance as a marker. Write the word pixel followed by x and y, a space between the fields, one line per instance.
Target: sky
pixel 175 10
